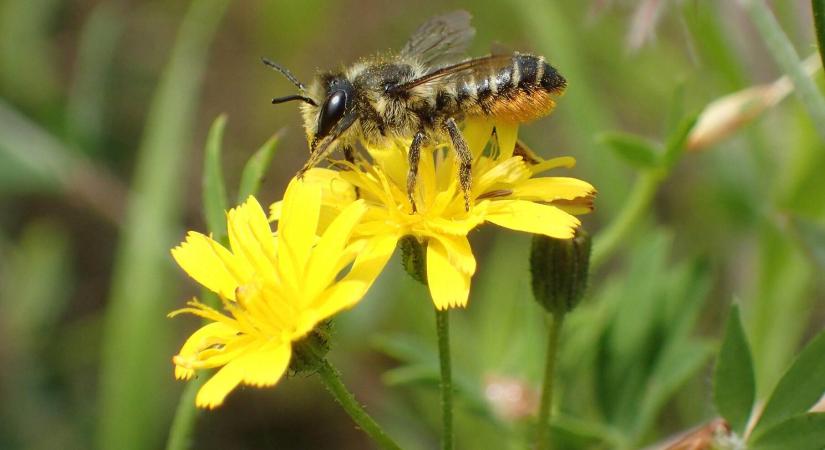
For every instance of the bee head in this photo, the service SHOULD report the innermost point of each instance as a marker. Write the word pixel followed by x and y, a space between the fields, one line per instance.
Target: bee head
pixel 325 123
pixel 335 115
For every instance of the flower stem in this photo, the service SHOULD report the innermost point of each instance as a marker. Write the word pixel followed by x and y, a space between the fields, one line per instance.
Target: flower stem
pixel 542 442
pixel 443 330
pixel 635 207
pixel 183 424
pixel 332 380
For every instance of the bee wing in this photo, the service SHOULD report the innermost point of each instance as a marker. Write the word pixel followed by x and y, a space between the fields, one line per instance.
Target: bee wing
pixel 476 67
pixel 441 38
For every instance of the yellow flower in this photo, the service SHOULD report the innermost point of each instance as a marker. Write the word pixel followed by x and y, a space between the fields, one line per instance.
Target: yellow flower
pixel 275 288
pixel 505 192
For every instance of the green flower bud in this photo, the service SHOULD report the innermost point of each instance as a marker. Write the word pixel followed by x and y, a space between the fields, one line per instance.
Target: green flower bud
pixel 309 352
pixel 414 258
pixel 559 270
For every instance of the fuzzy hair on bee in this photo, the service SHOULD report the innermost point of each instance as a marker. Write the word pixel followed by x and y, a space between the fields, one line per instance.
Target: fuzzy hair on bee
pixel 421 94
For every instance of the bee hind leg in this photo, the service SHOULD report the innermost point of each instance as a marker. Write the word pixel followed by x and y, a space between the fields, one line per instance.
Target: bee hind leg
pixel 465 159
pixel 413 156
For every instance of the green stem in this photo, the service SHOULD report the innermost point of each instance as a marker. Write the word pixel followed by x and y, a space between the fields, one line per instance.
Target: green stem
pixel 543 425
pixel 443 330
pixel 332 380
pixel 785 55
pixel 637 204
pixel 180 433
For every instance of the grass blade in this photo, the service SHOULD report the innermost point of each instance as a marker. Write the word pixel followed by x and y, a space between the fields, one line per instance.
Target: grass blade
pixel 136 374
pixel 818 7
pixel 786 57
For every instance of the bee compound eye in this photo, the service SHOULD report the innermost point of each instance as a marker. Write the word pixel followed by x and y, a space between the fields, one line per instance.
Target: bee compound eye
pixel 331 112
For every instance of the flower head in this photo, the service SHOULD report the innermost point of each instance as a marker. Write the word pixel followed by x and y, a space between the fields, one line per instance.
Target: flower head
pixel 274 288
pixel 505 191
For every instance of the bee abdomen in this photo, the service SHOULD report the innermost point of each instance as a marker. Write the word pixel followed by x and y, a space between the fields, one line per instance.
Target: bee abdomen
pixel 520 91
pixel 535 73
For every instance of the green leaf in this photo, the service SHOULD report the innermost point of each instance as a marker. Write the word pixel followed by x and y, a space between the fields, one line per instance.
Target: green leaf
pixel 799 389
pixel 255 168
pixel 635 150
pixel 675 144
pixel 802 432
pixel 214 189
pixel 734 387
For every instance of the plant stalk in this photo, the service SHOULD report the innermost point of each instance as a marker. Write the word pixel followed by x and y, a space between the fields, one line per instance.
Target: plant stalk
pixel 443 330
pixel 543 425
pixel 332 381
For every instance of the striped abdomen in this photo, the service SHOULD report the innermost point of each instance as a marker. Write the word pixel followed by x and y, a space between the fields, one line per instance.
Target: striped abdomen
pixel 516 89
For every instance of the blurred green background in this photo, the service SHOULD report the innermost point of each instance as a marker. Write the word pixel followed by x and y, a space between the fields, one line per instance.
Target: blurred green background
pixel 103 118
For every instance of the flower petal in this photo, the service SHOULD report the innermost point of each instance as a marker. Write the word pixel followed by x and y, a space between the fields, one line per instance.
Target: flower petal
pixel 324 262
pixel 533 218
pixel 211 265
pixel 367 266
pixel 548 189
pixel 203 337
pixel 262 367
pixel 251 237
pixel 297 228
pixel 476 133
pixel 507 134
pixel 562 161
pixel 449 285
pixel 266 366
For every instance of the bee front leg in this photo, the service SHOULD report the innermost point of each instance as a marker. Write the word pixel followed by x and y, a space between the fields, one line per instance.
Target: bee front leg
pixel 349 156
pixel 413 156
pixel 465 159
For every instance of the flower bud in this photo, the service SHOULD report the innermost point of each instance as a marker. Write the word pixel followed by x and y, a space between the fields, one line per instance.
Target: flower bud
pixel 559 270
pixel 414 258
pixel 309 352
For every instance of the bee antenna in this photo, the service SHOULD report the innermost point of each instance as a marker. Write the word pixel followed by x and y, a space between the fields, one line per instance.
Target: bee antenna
pixel 290 98
pixel 285 72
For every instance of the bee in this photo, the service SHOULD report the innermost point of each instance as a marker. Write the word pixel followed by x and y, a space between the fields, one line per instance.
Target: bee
pixel 421 94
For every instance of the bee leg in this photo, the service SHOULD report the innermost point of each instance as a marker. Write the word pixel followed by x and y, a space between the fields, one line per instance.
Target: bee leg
pixel 349 156
pixel 413 156
pixel 465 158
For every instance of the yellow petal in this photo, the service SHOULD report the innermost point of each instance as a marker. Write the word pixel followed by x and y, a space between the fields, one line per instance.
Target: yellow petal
pixel 203 337
pixel 211 265
pixel 266 366
pixel 324 263
pixel 449 285
pixel 251 237
pixel 371 260
pixel 507 171
pixel 533 218
pixel 562 161
pixel 261 367
pixel 365 269
pixel 341 295
pixel 507 134
pixel 275 211
pixel 477 133
pixel 296 229
pixel 548 189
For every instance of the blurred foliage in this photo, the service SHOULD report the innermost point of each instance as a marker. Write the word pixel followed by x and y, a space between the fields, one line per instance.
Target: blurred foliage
pixel 104 131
